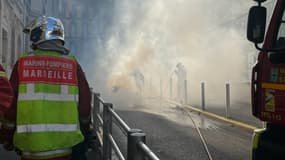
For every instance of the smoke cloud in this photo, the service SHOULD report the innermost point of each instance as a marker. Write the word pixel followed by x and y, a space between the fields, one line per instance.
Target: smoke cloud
pixel 152 36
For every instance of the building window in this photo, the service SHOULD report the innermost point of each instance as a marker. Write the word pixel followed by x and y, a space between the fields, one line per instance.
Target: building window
pixel 70 46
pixel 79 29
pixel 60 7
pixel 19 46
pixel 66 9
pixel 67 30
pixel 72 29
pixel 85 30
pixel 4 47
pixel 12 47
pixel 78 12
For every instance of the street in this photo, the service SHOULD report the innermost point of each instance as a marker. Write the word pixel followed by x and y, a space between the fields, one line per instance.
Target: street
pixel 170 134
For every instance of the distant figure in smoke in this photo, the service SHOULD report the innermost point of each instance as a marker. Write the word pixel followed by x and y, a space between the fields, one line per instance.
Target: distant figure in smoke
pixel 181 77
pixel 139 79
pixel 115 89
pixel 52 97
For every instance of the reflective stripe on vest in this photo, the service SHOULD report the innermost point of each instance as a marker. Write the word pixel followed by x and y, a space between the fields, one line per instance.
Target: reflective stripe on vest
pixel 47 108
pixel 2 74
pixel 47 128
pixel 63 96
pixel 46 96
pixel 42 155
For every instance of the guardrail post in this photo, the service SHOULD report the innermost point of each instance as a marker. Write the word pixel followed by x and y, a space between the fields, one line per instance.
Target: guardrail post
pixel 170 88
pixel 160 83
pixel 228 101
pixel 185 92
pixel 135 153
pixel 203 95
pixel 263 123
pixel 96 111
pixel 107 130
pixel 92 106
pixel 160 99
pixel 129 143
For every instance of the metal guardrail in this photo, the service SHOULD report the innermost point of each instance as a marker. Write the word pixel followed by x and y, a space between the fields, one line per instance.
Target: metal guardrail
pixel 104 117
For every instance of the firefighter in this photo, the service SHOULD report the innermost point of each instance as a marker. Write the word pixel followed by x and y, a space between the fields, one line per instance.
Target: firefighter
pixel 6 94
pixel 51 111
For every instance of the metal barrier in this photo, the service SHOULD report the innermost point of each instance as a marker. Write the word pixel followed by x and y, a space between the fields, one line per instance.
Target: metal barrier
pixel 103 120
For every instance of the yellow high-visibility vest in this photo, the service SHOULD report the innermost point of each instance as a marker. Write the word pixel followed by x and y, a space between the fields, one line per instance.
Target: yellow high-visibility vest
pixel 47 122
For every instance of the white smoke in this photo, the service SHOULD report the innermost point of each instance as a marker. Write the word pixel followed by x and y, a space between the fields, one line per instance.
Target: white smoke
pixel 208 37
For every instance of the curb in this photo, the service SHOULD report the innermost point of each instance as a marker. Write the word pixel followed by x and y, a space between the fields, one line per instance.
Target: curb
pixel 212 115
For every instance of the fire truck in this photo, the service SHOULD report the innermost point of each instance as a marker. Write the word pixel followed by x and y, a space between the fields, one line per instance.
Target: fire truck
pixel 268 80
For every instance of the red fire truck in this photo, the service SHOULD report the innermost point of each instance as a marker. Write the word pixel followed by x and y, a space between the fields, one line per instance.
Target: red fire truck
pixel 268 80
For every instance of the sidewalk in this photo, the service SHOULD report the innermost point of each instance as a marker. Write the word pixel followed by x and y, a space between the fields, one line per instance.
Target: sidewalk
pixel 238 112
pixel 215 102
pixel 239 116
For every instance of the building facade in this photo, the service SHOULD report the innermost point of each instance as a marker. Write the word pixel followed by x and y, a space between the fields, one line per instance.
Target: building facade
pixel 77 17
pixel 14 16
pixel 81 21
pixel 12 20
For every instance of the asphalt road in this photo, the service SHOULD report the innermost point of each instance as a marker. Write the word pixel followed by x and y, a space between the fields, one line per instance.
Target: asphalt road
pixel 4 155
pixel 172 136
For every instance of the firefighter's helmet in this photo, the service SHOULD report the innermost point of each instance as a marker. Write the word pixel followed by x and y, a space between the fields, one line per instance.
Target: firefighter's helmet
pixel 44 29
